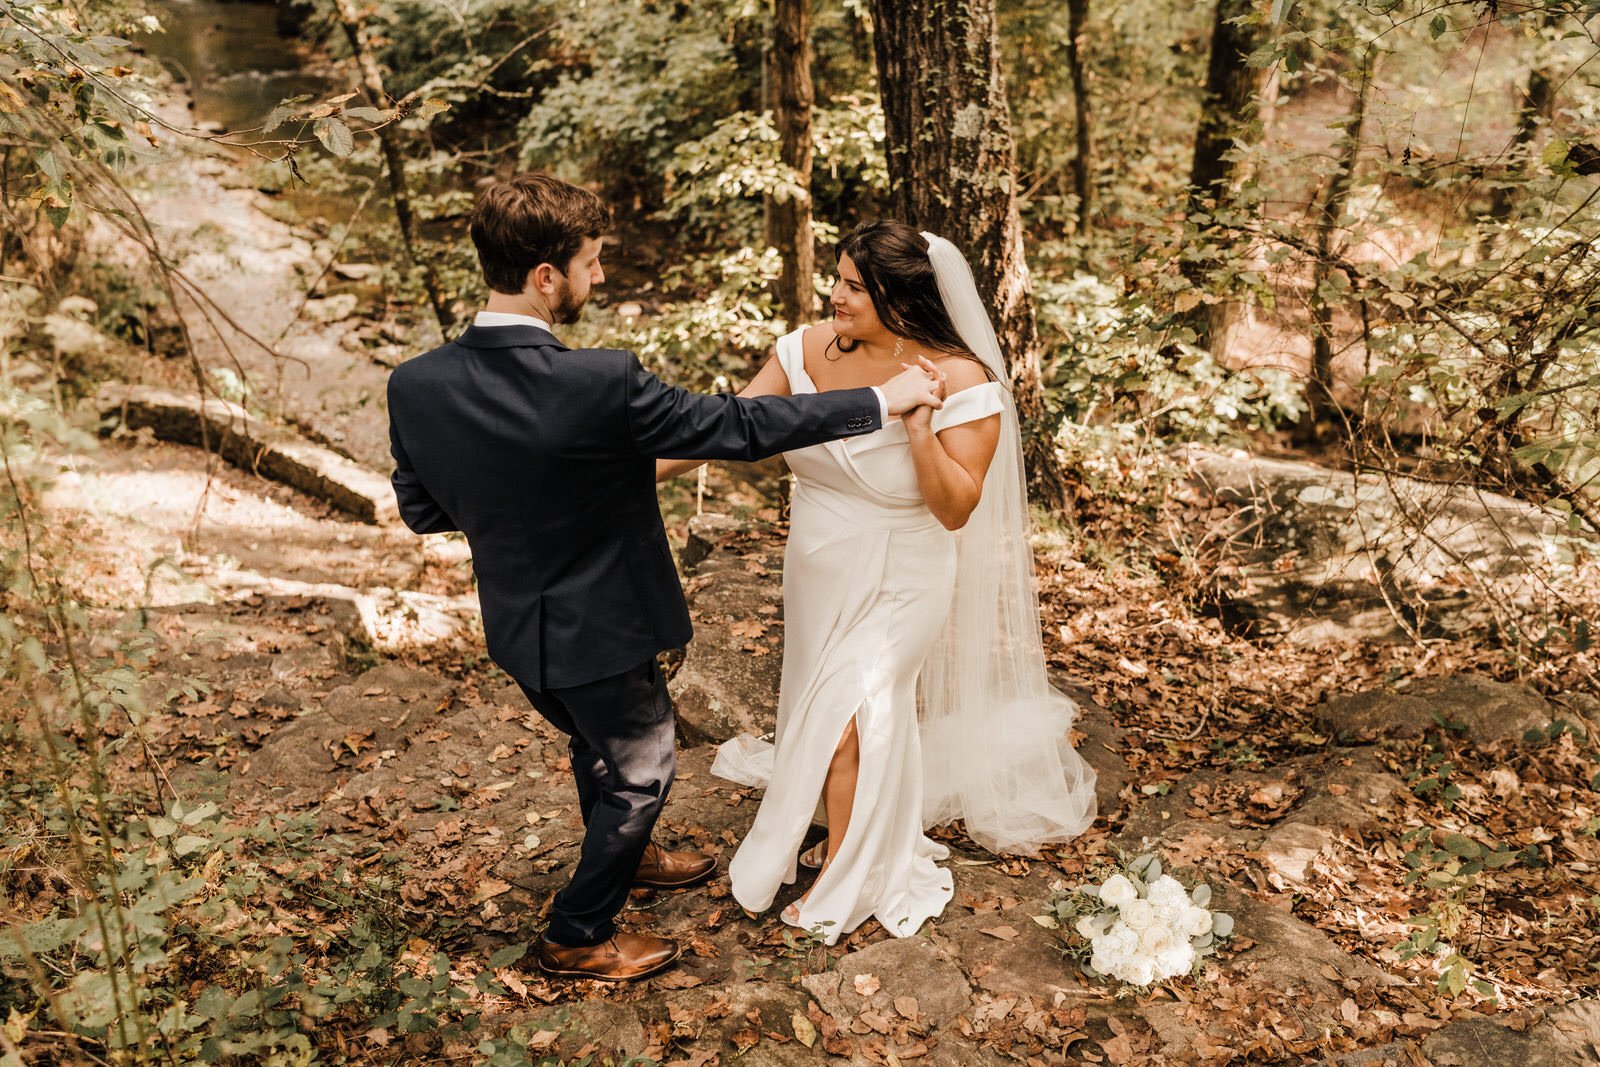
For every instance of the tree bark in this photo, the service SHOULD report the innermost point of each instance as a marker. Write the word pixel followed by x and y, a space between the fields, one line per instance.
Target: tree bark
pixel 1228 107
pixel 789 217
pixel 952 170
pixel 394 160
pixel 1228 114
pixel 1320 402
pixel 1538 105
pixel 1083 163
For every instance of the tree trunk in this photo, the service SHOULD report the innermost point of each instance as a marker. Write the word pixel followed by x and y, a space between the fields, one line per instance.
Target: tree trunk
pixel 789 217
pixel 1228 107
pixel 1320 402
pixel 1538 105
pixel 1083 163
pixel 952 170
pixel 1227 119
pixel 394 160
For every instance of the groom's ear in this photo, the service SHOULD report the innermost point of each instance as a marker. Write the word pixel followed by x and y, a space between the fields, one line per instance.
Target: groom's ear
pixel 543 279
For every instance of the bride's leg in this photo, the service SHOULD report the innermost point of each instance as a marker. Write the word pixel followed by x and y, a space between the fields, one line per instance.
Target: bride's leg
pixel 839 790
pixel 838 794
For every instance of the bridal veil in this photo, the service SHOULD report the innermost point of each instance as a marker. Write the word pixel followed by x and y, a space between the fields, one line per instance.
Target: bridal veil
pixel 995 744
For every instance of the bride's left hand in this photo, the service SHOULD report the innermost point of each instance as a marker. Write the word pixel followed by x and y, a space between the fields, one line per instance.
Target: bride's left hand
pixel 920 419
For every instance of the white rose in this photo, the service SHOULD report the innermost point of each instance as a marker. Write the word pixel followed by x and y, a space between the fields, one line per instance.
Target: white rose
pixel 1196 922
pixel 1118 891
pixel 1138 914
pixel 1166 893
pixel 1139 972
pixel 1088 928
pixel 1117 943
pixel 1154 938
pixel 1177 959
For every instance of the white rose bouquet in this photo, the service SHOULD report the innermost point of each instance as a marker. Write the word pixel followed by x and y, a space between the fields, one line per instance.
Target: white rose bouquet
pixel 1139 926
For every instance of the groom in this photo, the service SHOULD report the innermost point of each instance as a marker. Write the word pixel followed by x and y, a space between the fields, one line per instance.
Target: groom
pixel 543 456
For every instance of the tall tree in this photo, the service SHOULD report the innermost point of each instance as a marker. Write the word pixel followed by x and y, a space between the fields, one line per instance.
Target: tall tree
pixel 789 213
pixel 1083 161
pixel 952 170
pixel 1538 105
pixel 1228 117
pixel 1321 404
pixel 353 21
pixel 1227 110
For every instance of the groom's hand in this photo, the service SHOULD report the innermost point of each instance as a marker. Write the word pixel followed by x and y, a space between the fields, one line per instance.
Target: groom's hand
pixel 914 387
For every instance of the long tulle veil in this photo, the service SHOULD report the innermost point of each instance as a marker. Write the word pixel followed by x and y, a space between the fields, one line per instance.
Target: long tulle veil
pixel 995 744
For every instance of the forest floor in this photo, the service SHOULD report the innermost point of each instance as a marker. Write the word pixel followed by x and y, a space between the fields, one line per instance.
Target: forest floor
pixel 1326 824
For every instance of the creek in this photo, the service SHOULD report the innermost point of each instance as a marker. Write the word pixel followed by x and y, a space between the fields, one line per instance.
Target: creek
pixel 236 65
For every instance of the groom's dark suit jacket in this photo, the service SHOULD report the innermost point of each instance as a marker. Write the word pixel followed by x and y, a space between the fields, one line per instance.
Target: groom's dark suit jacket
pixel 543 456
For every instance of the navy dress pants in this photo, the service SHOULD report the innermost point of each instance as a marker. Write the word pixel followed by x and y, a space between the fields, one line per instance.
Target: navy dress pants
pixel 621 734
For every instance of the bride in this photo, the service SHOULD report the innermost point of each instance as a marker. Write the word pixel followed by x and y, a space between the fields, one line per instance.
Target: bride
pixel 867 635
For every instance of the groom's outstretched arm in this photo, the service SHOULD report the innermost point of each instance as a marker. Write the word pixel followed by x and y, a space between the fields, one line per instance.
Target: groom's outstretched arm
pixel 666 421
pixel 769 381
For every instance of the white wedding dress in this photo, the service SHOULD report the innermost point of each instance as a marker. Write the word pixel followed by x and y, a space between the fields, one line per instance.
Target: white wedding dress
pixel 931 640
pixel 867 583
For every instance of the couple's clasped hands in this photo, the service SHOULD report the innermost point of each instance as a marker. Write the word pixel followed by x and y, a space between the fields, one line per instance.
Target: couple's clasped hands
pixel 916 392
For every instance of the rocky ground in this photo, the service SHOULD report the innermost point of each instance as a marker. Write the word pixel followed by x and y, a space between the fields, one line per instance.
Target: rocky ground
pixel 267 691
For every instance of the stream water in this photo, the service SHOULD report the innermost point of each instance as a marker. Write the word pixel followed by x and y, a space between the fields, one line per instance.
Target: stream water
pixel 232 58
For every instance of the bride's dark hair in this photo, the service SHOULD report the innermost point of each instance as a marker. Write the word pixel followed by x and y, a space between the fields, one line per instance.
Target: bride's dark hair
pixel 893 261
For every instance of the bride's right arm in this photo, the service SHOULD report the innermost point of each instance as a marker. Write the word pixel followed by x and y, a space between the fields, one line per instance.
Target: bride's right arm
pixel 769 381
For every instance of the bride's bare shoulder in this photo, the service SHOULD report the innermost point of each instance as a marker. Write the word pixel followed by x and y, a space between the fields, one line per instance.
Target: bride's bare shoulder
pixel 817 338
pixel 962 372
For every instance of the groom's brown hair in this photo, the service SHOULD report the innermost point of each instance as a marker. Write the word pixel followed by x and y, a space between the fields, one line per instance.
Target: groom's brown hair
pixel 528 219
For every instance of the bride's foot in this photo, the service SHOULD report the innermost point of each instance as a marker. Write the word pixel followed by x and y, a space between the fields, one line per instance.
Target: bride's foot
pixel 791 914
pixel 814 857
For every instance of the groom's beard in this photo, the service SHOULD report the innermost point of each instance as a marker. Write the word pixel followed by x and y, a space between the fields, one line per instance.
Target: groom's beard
pixel 567 308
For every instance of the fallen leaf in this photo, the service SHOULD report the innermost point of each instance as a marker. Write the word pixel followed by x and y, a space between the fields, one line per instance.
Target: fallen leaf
pixel 1004 933
pixel 804 1032
pixel 866 984
pixel 489 887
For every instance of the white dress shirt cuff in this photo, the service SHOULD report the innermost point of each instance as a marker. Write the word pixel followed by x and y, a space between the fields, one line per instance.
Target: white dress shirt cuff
pixel 883 405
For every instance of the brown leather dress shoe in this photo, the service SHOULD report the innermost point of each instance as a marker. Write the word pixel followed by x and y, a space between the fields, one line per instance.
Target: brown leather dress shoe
pixel 624 958
pixel 660 869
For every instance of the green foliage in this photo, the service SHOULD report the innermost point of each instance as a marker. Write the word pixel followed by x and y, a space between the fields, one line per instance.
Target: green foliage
pixel 1144 59
pixel 66 106
pixel 718 184
pixel 1451 862
pixel 1108 357
pixel 638 79
pixel 723 323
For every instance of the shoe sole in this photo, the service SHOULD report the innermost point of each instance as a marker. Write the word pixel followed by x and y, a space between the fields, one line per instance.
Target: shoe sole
pixel 657 969
pixel 684 884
